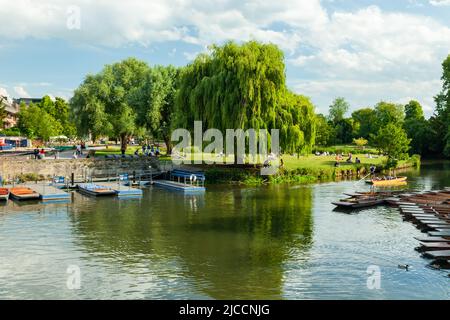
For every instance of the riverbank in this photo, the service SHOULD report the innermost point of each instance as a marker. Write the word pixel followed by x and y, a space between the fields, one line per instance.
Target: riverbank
pixel 303 170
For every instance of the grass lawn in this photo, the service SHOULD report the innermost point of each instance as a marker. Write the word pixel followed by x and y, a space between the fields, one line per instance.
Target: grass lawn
pixel 319 162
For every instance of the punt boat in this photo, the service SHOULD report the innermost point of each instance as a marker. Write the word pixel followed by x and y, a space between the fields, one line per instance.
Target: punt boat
pixel 23 193
pixel 389 181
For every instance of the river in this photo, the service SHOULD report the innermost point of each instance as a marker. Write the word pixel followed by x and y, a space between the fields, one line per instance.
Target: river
pixel 271 242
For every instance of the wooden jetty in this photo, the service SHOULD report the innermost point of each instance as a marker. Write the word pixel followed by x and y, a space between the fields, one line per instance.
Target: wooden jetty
pixel 49 192
pixel 121 190
pixel 177 186
pixel 184 181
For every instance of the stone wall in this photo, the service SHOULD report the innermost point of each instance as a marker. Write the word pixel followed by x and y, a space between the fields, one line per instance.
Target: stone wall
pixel 13 167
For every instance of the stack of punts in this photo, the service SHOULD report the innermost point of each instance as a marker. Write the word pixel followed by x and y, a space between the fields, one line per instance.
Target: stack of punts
pixel 4 194
pixel 23 193
pixel 430 212
pixel 95 190
pixel 387 181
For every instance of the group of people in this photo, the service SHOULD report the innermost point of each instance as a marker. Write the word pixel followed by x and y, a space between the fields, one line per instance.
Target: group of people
pixel 39 154
pixel 348 160
pixel 148 150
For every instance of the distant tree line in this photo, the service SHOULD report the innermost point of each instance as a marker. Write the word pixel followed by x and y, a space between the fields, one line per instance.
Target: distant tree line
pixel 388 124
pixel 235 86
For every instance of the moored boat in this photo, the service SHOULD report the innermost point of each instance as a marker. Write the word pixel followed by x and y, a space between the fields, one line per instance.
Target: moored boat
pixel 355 203
pixel 23 193
pixel 387 181
pixel 93 189
pixel 4 194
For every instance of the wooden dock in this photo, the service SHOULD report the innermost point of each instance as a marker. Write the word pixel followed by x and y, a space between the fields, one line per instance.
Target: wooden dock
pixel 123 190
pixel 48 192
pixel 178 186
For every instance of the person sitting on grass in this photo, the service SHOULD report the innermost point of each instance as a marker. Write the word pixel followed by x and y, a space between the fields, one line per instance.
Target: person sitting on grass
pixel 349 159
pixel 357 160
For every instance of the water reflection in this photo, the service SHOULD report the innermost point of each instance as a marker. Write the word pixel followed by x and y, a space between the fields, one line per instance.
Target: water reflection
pixel 231 241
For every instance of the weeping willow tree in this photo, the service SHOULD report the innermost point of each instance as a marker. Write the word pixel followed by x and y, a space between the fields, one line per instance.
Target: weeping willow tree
pixel 297 123
pixel 242 87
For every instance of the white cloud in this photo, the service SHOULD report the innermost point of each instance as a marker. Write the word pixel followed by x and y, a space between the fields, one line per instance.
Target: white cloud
pixel 356 52
pixel 440 2
pixel 115 22
pixel 21 92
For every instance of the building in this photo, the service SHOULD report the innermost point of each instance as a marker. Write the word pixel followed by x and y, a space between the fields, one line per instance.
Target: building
pixel 27 101
pixel 12 110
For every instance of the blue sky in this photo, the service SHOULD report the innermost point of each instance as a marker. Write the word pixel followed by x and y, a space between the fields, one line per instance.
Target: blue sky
pixel 365 51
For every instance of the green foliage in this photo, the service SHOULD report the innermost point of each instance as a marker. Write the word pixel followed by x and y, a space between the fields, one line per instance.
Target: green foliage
pixel 155 102
pixel 11 132
pixel 365 120
pixel 324 131
pixel 338 110
pixel 241 87
pixel 393 141
pixel 35 121
pixel 440 122
pixel 103 103
pixel 417 128
pixel 387 113
pixel 360 142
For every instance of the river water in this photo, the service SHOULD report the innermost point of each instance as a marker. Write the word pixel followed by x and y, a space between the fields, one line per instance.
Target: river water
pixel 271 242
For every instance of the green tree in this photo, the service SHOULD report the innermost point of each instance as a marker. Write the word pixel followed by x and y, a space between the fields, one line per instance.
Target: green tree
pixel 440 122
pixel 3 113
pixel 156 102
pixel 417 128
pixel 386 113
pixel 365 118
pixel 103 104
pixel 35 122
pixel 324 131
pixel 241 87
pixel 338 109
pixel 393 141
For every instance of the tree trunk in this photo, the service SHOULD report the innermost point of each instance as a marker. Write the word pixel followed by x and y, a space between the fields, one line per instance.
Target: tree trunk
pixel 123 143
pixel 168 145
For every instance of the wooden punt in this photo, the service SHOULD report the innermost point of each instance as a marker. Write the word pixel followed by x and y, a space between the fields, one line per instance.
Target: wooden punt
pixel 23 193
pixel 440 254
pixel 433 246
pixel 433 239
pixel 387 182
pixel 95 190
pixel 357 203
pixel 439 233
pixel 4 194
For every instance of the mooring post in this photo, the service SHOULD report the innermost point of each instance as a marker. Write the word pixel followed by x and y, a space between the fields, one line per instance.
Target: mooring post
pixel 72 179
